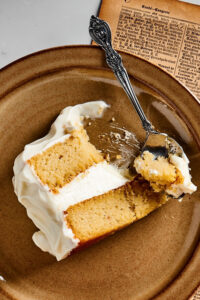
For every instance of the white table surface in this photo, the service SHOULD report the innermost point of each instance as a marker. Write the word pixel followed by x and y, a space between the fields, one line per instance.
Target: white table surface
pixel 27 26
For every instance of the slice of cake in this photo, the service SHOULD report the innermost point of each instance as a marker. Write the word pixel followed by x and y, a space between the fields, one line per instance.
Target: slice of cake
pixel 61 170
pixel 73 195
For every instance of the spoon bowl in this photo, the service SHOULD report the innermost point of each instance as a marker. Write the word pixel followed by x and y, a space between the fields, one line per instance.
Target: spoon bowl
pixel 160 144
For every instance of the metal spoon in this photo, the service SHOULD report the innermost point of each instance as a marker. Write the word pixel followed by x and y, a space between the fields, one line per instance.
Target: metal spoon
pixel 159 144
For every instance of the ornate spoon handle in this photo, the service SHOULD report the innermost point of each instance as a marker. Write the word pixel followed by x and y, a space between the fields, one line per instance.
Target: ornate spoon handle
pixel 101 34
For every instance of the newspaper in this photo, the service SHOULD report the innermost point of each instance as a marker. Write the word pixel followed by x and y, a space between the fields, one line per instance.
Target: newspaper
pixel 164 32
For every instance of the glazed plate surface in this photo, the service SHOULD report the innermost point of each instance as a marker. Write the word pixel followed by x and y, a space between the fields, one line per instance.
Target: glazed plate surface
pixel 157 257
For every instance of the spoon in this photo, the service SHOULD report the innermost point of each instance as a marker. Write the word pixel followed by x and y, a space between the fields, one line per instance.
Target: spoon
pixel 159 144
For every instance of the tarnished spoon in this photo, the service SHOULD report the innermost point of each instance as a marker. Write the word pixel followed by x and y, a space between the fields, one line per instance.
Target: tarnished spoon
pixel 159 144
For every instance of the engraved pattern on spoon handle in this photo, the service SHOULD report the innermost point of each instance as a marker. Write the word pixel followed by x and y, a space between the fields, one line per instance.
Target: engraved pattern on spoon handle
pixel 101 34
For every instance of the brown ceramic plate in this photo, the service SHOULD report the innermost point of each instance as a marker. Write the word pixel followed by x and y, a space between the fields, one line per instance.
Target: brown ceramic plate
pixel 157 257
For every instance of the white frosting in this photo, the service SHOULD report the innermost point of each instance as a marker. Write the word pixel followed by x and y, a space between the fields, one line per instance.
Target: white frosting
pixel 187 187
pixel 46 208
pixel 151 171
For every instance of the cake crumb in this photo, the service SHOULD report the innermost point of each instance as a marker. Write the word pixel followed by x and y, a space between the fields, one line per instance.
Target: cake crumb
pixel 113 119
pixel 107 157
pixel 116 135
pixel 118 156
pixel 89 124
pixel 100 110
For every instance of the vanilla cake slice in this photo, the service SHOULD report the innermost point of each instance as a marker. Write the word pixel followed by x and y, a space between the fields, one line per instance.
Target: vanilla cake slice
pixel 71 193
